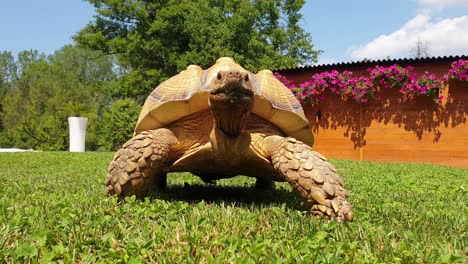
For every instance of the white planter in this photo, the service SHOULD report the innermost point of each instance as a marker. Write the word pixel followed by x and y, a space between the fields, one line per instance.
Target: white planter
pixel 77 133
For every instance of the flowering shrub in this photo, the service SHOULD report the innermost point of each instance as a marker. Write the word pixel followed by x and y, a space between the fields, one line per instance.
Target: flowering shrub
pixel 459 71
pixel 359 89
pixel 406 80
pixel 362 88
pixel 312 91
pixel 428 84
pixel 344 84
pixel 390 77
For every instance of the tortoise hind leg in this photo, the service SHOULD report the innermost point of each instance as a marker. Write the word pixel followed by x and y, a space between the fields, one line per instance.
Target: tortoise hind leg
pixel 312 176
pixel 138 166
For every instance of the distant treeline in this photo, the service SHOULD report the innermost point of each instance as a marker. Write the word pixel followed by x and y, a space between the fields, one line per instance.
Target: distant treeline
pixel 38 93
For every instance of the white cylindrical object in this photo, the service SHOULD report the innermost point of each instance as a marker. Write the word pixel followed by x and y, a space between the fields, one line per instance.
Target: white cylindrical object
pixel 77 133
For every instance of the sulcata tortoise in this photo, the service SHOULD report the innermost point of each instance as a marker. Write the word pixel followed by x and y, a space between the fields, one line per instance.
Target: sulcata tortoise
pixel 222 122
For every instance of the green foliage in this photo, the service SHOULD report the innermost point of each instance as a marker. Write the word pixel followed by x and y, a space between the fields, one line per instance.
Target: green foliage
pixel 29 109
pixel 156 39
pixel 118 123
pixel 405 213
pixel 8 72
pixel 8 75
pixel 47 91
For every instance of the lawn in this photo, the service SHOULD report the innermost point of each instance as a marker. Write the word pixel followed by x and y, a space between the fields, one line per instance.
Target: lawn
pixel 53 208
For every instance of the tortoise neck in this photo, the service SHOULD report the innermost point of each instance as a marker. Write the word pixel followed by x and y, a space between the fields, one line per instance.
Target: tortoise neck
pixel 230 118
pixel 231 123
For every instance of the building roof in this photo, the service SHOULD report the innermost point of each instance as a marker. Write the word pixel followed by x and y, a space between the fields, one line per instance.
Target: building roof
pixel 372 63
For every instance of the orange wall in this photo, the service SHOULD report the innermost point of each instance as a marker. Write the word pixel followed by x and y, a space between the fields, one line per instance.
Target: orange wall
pixel 391 130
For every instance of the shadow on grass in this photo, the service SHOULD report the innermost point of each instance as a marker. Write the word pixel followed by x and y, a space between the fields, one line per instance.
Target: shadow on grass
pixel 232 195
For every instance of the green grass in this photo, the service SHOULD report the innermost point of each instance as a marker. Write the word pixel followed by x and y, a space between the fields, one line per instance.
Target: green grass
pixel 53 208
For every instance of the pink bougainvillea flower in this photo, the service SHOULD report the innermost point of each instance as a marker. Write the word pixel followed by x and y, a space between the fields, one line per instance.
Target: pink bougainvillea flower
pixel 363 88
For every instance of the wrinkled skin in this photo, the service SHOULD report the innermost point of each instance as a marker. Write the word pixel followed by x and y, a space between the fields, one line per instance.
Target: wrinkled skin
pixel 225 141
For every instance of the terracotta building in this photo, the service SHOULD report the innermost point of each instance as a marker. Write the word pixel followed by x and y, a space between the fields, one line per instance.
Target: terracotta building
pixel 390 129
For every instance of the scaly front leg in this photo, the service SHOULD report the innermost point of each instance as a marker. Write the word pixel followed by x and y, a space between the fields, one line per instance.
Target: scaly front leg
pixel 311 175
pixel 138 166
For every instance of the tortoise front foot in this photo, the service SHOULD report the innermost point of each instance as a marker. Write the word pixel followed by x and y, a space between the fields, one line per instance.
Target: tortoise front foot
pixel 138 166
pixel 314 178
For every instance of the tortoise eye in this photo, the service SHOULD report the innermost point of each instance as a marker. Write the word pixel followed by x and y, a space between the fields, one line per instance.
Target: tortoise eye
pixel 246 78
pixel 219 76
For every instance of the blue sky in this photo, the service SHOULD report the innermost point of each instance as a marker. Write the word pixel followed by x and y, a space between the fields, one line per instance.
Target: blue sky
pixel 44 25
pixel 353 30
pixel 344 30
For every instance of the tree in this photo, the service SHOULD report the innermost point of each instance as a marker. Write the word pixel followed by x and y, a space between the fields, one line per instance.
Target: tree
pixel 8 76
pixel 156 39
pixel 48 90
pixel 118 122
pixel 29 109
pixel 8 71
pixel 420 49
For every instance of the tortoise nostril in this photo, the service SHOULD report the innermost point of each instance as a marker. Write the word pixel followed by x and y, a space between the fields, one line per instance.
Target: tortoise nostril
pixel 233 74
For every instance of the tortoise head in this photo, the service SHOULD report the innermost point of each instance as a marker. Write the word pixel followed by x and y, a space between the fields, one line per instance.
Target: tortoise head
pixel 232 87
pixel 231 98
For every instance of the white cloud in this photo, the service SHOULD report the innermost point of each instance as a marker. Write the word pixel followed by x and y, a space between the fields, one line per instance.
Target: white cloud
pixel 443 37
pixel 438 5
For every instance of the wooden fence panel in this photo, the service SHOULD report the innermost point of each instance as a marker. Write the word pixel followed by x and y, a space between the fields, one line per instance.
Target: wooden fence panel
pixel 391 130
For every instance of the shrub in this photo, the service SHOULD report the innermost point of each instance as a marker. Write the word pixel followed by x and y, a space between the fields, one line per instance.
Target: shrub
pixel 458 70
pixel 406 80
pixel 363 88
pixel 118 122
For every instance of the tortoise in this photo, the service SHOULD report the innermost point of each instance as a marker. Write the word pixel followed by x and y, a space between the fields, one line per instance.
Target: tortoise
pixel 222 122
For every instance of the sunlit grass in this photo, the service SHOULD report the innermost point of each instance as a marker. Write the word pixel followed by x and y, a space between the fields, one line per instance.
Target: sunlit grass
pixel 53 207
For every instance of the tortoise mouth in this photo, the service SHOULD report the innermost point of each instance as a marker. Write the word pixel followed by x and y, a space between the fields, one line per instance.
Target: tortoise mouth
pixel 233 91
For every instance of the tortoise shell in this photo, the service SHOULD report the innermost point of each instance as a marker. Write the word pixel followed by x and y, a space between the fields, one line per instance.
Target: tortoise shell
pixel 187 93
